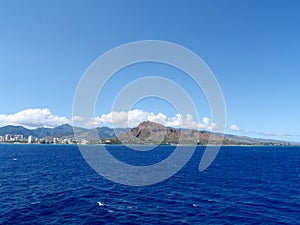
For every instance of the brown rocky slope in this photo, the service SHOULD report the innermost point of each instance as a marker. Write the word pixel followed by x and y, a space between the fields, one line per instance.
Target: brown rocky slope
pixel 154 133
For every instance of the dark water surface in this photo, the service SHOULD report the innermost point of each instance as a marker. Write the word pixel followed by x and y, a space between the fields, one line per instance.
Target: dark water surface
pixel 52 184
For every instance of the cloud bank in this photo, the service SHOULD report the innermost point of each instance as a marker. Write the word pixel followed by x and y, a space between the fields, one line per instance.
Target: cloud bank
pixel 253 133
pixel 33 118
pixel 133 117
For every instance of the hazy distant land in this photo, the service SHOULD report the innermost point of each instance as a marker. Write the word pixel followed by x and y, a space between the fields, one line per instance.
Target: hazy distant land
pixel 145 133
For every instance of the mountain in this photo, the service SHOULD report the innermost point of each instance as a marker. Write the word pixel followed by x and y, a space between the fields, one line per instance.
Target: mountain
pixel 107 132
pixel 153 133
pixel 150 132
pixel 101 133
pixel 15 130
pixel 63 131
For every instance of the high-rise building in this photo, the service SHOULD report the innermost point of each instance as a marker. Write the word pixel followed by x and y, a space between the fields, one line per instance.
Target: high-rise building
pixel 29 139
pixel 7 137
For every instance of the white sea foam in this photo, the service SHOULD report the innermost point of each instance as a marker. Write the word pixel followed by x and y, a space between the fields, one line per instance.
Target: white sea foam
pixel 100 204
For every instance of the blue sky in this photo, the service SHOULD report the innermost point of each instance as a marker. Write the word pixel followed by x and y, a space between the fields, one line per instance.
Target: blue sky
pixel 252 47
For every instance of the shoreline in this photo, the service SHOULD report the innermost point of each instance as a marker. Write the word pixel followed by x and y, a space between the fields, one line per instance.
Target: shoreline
pixel 173 145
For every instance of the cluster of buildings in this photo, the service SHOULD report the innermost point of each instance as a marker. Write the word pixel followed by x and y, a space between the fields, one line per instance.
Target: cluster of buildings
pixel 8 138
pixel 13 138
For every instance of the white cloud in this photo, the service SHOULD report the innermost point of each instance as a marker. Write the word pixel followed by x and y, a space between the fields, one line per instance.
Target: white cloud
pixel 133 117
pixel 32 118
pixel 234 127
pixel 77 118
pixel 258 134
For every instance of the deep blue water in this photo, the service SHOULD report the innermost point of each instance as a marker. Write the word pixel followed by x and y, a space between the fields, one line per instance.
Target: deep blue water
pixel 52 184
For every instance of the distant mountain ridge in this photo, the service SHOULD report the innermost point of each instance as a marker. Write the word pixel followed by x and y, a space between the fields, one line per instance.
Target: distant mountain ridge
pixel 145 133
pixel 14 130
pixel 63 131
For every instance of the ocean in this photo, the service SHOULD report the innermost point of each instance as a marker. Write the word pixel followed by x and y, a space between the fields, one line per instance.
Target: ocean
pixel 53 184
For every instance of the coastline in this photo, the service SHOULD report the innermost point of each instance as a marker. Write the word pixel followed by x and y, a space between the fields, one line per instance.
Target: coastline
pixel 187 145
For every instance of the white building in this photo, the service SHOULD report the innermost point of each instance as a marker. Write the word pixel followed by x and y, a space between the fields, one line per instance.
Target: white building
pixel 29 139
pixel 7 137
